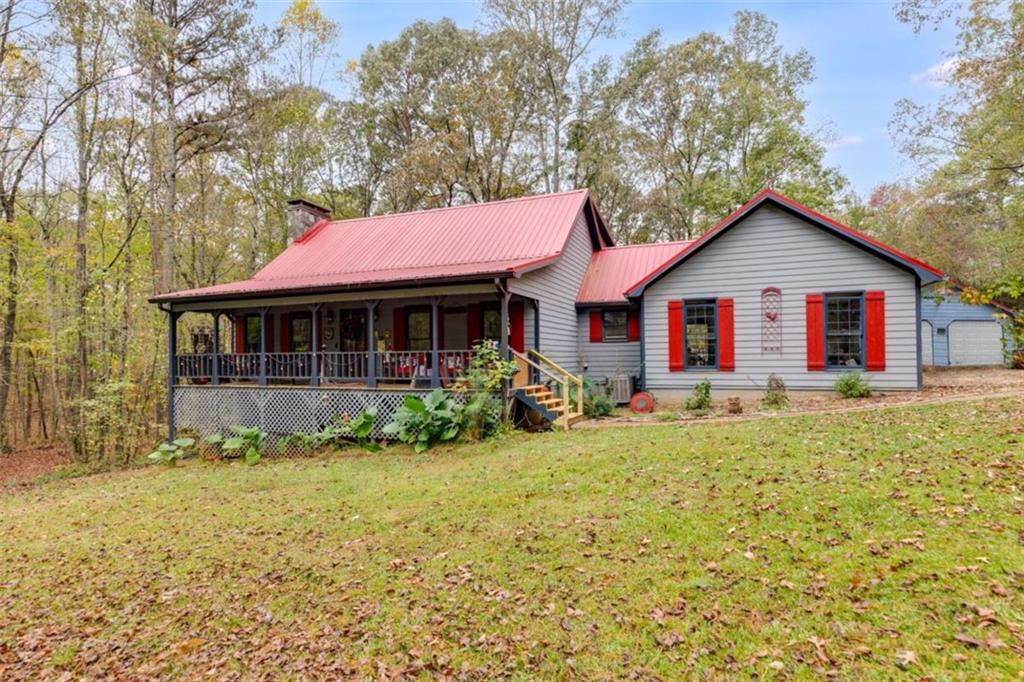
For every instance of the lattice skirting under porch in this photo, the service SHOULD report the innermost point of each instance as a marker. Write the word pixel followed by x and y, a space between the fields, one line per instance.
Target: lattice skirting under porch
pixel 281 411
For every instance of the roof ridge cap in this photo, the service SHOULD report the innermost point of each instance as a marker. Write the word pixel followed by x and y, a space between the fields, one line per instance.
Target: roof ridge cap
pixel 418 211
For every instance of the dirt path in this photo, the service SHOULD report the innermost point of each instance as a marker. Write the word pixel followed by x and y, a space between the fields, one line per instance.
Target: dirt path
pixel 860 407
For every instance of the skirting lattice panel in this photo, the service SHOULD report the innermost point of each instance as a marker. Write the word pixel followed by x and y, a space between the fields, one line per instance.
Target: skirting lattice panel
pixel 281 410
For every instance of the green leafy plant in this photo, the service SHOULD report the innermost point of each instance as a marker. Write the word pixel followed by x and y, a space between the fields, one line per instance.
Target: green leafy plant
pixel 425 422
pixel 700 401
pixel 244 441
pixel 169 453
pixel 775 395
pixel 597 406
pixel 481 417
pixel 853 385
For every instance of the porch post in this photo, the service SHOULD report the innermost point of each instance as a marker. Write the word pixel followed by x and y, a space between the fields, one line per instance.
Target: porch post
pixel 314 369
pixel 172 364
pixel 371 345
pixel 505 296
pixel 435 337
pixel 263 346
pixel 216 347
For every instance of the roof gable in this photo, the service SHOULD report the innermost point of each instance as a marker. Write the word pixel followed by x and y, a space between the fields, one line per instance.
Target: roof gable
pixel 500 238
pixel 922 270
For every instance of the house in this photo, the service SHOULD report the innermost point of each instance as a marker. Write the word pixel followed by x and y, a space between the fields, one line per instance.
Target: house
pixel 957 333
pixel 357 313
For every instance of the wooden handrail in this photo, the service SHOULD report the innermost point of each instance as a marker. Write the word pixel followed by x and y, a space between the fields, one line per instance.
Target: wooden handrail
pixel 565 376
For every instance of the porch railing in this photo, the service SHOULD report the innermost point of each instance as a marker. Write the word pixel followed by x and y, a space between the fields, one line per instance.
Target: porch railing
pixel 396 367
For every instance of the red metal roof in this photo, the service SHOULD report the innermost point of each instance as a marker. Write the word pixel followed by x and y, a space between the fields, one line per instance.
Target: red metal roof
pixel 499 238
pixel 614 270
pixel 926 272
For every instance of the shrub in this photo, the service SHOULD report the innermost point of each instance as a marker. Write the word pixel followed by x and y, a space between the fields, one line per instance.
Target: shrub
pixel 340 431
pixel 775 396
pixel 425 422
pixel 853 385
pixel 481 416
pixel 169 453
pixel 598 406
pixel 700 402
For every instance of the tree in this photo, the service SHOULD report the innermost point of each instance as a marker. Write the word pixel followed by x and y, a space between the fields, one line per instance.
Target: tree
pixel 712 120
pixel 558 35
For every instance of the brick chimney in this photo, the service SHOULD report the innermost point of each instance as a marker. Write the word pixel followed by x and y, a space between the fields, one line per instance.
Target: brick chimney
pixel 302 215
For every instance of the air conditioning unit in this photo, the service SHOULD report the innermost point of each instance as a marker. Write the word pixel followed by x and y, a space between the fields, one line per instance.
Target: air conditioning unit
pixel 620 388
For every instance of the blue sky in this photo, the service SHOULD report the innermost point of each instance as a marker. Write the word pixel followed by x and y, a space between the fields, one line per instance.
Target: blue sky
pixel 865 60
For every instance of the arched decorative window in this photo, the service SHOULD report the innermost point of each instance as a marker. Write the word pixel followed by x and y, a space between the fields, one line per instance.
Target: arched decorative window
pixel 771 320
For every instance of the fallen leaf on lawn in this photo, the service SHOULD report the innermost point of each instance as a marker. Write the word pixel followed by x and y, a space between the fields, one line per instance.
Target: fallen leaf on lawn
pixel 905 658
pixel 669 639
pixel 862 650
pixel 189 645
pixel 969 641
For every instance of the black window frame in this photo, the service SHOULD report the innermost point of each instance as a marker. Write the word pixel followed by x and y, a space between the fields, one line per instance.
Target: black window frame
pixel 711 303
pixel 292 319
pixel 860 335
pixel 605 336
pixel 250 343
pixel 417 310
pixel 494 309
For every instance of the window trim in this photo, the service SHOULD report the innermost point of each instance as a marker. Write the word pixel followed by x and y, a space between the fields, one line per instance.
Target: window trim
pixel 686 364
pixel 863 330
pixel 614 339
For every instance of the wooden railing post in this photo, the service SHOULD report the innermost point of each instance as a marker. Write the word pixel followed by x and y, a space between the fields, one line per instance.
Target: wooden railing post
pixel 215 348
pixel 263 346
pixel 371 345
pixel 435 338
pixel 314 347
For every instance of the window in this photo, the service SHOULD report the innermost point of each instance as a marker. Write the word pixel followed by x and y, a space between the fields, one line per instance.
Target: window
pixel 417 330
pixel 490 323
pixel 352 324
pixel 700 334
pixel 252 334
pixel 302 332
pixel 614 324
pixel 844 330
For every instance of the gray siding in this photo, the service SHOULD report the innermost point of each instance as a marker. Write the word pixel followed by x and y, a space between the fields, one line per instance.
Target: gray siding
pixel 773 248
pixel 943 311
pixel 601 360
pixel 555 288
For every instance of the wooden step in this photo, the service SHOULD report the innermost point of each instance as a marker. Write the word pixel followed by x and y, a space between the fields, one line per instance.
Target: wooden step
pixel 535 388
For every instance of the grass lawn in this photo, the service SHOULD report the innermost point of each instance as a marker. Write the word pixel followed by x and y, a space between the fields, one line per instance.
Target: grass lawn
pixel 886 543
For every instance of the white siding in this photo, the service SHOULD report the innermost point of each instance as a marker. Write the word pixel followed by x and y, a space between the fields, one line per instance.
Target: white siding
pixel 601 360
pixel 773 248
pixel 555 288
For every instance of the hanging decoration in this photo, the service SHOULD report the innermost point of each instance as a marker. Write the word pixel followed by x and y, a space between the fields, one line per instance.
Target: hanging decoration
pixel 771 320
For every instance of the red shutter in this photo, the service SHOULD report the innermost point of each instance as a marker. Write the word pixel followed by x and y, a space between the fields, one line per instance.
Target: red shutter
pixel 675 336
pixel 726 342
pixel 472 324
pixel 517 326
pixel 633 325
pixel 284 324
pixel 596 326
pixel 398 332
pixel 874 328
pixel 239 333
pixel 815 332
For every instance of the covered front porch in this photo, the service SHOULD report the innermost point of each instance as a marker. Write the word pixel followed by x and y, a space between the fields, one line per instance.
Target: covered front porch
pixel 386 339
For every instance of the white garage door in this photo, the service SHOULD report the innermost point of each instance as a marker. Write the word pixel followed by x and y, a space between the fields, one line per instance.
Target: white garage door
pixel 975 342
pixel 926 343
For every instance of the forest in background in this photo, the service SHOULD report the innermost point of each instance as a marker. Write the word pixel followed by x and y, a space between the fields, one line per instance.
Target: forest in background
pixel 150 145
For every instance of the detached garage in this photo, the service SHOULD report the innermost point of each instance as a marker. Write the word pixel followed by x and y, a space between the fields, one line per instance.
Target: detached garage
pixel 958 333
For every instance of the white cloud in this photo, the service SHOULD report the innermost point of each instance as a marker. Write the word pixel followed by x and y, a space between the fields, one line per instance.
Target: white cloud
pixel 844 141
pixel 937 75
